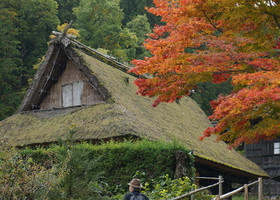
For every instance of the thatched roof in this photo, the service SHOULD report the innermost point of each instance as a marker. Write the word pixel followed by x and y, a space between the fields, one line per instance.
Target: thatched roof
pixel 123 114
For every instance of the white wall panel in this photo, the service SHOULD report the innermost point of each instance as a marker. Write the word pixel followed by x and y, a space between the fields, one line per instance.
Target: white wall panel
pixel 67 95
pixel 77 93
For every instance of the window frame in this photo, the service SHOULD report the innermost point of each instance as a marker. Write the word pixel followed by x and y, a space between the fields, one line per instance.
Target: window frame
pixel 276 148
pixel 70 94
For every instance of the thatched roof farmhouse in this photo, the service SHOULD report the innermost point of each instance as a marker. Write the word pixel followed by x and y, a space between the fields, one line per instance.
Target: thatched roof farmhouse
pixel 77 85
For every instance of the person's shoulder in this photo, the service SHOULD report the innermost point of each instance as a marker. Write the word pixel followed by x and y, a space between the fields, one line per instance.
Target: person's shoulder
pixel 127 196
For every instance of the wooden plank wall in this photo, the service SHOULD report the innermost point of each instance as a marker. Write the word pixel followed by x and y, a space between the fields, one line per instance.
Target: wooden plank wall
pixel 262 154
pixel 70 75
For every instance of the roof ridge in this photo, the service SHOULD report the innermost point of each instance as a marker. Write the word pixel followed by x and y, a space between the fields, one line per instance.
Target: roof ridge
pixel 68 39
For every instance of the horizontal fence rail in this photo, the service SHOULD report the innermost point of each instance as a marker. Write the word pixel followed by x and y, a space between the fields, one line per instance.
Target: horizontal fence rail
pixel 210 178
pixel 197 190
pixel 245 188
pixel 227 195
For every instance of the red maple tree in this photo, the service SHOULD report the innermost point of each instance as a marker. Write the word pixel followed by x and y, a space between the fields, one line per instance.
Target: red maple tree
pixel 218 40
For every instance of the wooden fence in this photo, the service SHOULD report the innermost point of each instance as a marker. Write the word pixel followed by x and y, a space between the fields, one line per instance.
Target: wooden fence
pixel 221 196
pixel 220 183
pixel 245 188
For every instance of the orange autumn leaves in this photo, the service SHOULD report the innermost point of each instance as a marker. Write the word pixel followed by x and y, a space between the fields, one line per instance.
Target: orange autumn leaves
pixel 217 40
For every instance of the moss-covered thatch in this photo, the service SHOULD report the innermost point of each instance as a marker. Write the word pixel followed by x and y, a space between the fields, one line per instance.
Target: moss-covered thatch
pixel 124 114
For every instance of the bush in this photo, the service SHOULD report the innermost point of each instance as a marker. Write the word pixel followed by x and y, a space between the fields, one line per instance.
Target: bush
pixel 167 188
pixel 117 162
pixel 87 171
pixel 153 158
pixel 80 181
pixel 21 177
pixel 163 188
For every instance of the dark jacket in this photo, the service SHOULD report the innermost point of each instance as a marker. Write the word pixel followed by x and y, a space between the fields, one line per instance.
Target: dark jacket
pixel 129 195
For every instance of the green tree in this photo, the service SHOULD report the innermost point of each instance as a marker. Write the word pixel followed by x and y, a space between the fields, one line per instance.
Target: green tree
pixel 25 29
pixel 99 22
pixel 141 27
pixel 37 18
pixel 21 177
pixel 80 180
pixel 207 91
pixel 9 62
pixel 65 10
pixel 137 7
pixel 128 42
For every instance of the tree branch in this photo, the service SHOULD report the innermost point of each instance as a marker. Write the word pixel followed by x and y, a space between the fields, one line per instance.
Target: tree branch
pixel 276 20
pixel 275 17
pixel 229 71
pixel 211 22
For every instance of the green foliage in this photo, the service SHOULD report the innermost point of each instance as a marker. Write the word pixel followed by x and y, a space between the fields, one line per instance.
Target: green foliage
pixel 128 43
pixel 65 10
pixel 22 177
pixel 99 23
pixel 61 172
pixel 163 187
pixel 207 92
pixel 153 158
pixel 25 29
pixel 137 7
pixel 81 180
pixel 9 62
pixel 167 188
pixel 141 27
pixel 37 18
pixel 86 171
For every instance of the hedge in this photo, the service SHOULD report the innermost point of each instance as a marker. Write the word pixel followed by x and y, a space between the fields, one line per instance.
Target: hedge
pixel 117 162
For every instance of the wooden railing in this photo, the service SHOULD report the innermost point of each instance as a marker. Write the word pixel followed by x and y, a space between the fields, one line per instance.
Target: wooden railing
pixel 221 196
pixel 245 188
pixel 220 182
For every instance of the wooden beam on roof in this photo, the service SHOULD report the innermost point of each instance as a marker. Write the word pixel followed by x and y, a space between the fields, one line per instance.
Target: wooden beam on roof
pixel 67 27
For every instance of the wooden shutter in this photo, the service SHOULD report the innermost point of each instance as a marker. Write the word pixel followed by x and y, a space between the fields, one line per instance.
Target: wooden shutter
pixel 67 95
pixel 77 93
pixel 72 94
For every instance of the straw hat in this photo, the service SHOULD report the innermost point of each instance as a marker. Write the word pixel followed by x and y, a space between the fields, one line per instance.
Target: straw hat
pixel 135 183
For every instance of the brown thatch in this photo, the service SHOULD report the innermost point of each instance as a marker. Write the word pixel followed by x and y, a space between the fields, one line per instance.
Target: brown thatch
pixel 122 114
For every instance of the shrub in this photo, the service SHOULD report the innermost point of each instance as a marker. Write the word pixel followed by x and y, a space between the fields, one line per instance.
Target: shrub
pixel 21 177
pixel 80 181
pixel 167 188
pixel 85 171
pixel 117 162
pixel 163 188
pixel 120 161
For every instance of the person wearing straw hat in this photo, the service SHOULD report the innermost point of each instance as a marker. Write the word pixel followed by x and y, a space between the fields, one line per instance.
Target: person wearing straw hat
pixel 135 191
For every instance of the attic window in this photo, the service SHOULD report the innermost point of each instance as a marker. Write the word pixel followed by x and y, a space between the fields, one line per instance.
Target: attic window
pixel 72 94
pixel 277 148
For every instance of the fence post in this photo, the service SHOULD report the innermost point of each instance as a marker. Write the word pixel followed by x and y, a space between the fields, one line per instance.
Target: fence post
pixel 220 186
pixel 197 179
pixel 217 197
pixel 192 196
pixel 260 189
pixel 246 196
